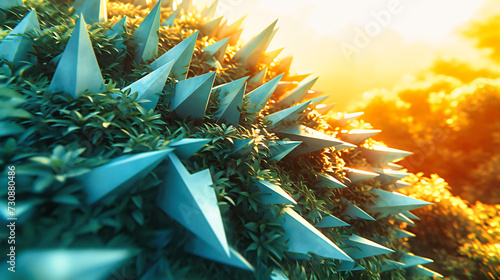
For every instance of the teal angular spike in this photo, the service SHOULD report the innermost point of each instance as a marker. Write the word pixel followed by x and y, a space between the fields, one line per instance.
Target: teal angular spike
pixel 325 108
pixel 201 248
pixel 94 11
pixel 388 203
pixel 304 237
pixel 389 265
pixel 327 181
pixel 78 71
pixel 187 147
pixel 409 260
pixel 273 194
pixel 182 54
pixel 389 176
pixel 359 247
pixel 402 234
pixel 258 79
pixel 230 106
pixel 402 218
pixel 418 271
pixel 286 115
pixel 383 155
pixel 149 86
pixel 243 146
pixel 251 52
pixel 209 12
pixel 170 21
pixel 6 4
pixel 146 36
pixel 217 49
pixel 277 274
pixel 318 100
pixel 280 149
pixel 17 48
pixel 210 28
pixel 298 93
pixel 356 175
pixel 190 200
pixel 410 215
pixel 259 97
pixel 191 96
pixel 116 32
pixel 357 136
pixel 312 140
pixel 399 185
pixel 74 264
pixel 349 118
pixel 331 221
pixel 119 174
pixel 230 87
pixel 349 266
pixel 354 212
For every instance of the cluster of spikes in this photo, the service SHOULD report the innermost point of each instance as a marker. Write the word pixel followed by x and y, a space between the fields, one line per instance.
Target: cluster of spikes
pixel 189 198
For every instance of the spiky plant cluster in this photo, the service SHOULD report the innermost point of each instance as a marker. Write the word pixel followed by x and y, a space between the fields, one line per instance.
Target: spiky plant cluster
pixel 154 146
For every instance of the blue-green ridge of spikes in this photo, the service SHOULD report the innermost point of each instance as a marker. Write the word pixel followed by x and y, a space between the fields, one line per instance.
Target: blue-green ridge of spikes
pixel 419 270
pixel 6 4
pixel 272 194
pixel 182 54
pixel 116 32
pixel 170 21
pixel 280 149
pixel 327 181
pixel 200 248
pixel 186 147
pixel 328 221
pixel 358 247
pixel 304 237
pixel 388 203
pixel 229 108
pixel 209 12
pixel 356 175
pixel 250 53
pixel 297 94
pixel 94 11
pixel 17 48
pixel 383 155
pixel 286 115
pixel 78 71
pixel 146 36
pixel 149 86
pixel 119 174
pixel 259 97
pixel 354 212
pixel 228 88
pixel 217 50
pixel 399 233
pixel 63 264
pixel 191 96
pixel 357 136
pixel 190 200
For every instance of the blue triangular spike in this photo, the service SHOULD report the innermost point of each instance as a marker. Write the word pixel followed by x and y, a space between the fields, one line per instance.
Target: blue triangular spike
pixel 227 88
pixel 418 271
pixel 298 93
pixel 78 71
pixel 149 86
pixel 358 247
pixel 383 155
pixel 146 36
pixel 187 147
pixel 410 215
pixel 402 218
pixel 389 265
pixel 327 181
pixel 230 106
pixel 217 49
pixel 304 238
pixel 354 212
pixel 170 21
pixel 356 175
pixel 273 194
pixel 94 11
pixel 357 136
pixel 409 260
pixel 251 52
pixel 328 221
pixel 209 12
pixel 258 79
pixel 259 97
pixel 74 264
pixel 402 234
pixel 349 266
pixel 116 32
pixel 191 96
pixel 389 176
pixel 281 149
pixel 243 146
pixel 119 174
pixel 17 48
pixel 388 203
pixel 182 54
pixel 6 4
pixel 318 100
pixel 200 248
pixel 191 201
pixel 287 115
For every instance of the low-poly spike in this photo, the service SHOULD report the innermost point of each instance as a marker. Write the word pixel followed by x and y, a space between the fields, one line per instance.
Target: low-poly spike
pixel 119 174
pixel 230 106
pixel 298 93
pixel 217 49
pixel 273 194
pixel 318 100
pixel 201 248
pixel 410 215
pixel 312 140
pixel 191 96
pixel 230 30
pixel 243 146
pixel 284 85
pixel 17 48
pixel 258 79
pixel 327 181
pixel 209 12
pixel 268 42
pixel 259 97
pixel 388 203
pixel 344 146
pixel 269 57
pixel 6 4
pixel 409 260
pixel 280 149
pixel 356 175
pixel 402 234
pixel 298 77
pixel 278 275
pixel 182 54
pixel 94 11
pixel 146 36
pixel 390 176
pixel 210 28
pixel 418 271
pixel 359 247
pixel 389 265
pixel 331 221
pixel 187 147
pixel 324 108
pixel 170 21
pixel 191 201
pixel 78 71
pixel 402 218
pixel 383 155
pixel 349 266
pixel 286 115
pixel 400 185
pixel 349 118
pixel 74 264
pixel 357 136
pixel 304 237
pixel 117 31
pixel 225 89
pixel 251 51
pixel 354 212
pixel 149 86
pixel 284 65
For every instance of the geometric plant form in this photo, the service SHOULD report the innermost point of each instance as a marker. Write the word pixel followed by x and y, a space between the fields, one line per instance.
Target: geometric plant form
pixel 146 36
pixel 191 96
pixel 94 11
pixel 359 247
pixel 273 194
pixel 280 149
pixel 354 212
pixel 388 203
pixel 16 48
